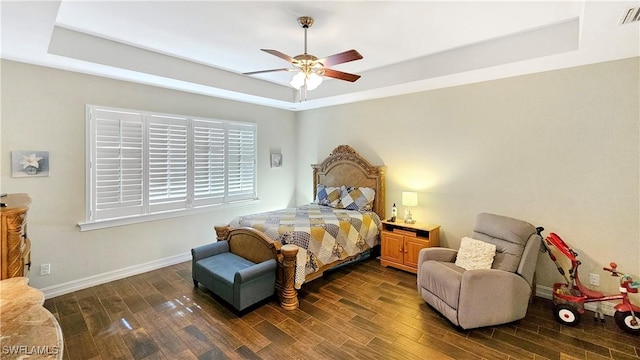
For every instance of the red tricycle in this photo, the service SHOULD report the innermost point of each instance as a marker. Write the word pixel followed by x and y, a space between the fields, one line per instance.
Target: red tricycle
pixel 569 298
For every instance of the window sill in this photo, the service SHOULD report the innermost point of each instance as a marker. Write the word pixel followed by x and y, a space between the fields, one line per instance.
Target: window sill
pixel 107 223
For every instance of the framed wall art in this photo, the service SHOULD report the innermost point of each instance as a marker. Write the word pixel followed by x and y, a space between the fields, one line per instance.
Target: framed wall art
pixel 27 163
pixel 276 160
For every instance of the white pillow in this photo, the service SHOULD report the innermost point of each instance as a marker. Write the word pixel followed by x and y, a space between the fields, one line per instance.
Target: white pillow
pixel 475 254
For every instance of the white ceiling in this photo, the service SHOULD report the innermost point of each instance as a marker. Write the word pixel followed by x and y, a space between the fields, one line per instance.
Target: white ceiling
pixel 205 46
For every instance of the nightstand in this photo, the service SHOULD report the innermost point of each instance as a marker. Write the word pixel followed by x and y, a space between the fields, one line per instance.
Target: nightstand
pixel 401 243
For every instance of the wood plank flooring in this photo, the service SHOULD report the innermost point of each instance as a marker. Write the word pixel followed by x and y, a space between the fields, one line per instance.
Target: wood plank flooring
pixel 361 311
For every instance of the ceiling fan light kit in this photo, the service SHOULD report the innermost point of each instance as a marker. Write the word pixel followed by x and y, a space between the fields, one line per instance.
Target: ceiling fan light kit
pixel 309 68
pixel 309 81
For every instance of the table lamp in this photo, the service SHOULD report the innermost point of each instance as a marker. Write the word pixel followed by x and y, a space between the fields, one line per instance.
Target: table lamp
pixel 409 199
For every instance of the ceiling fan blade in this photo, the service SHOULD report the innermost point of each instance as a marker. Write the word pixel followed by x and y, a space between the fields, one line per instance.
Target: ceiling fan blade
pixel 279 54
pixel 266 71
pixel 341 75
pixel 343 57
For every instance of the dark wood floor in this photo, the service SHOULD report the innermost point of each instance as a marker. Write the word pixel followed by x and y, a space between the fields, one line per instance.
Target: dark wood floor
pixel 362 311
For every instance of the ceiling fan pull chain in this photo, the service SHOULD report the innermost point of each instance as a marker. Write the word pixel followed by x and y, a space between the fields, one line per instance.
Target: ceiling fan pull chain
pixel 305 89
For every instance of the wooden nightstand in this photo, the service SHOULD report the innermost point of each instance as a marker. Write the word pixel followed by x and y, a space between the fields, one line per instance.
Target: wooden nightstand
pixel 401 243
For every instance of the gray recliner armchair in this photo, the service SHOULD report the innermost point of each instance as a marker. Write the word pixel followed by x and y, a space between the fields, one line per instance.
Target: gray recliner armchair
pixel 483 297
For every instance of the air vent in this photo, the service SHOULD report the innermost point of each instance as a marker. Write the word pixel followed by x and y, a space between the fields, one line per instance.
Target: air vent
pixel 631 15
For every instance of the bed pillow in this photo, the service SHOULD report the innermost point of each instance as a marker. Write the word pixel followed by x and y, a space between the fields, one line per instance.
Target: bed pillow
pixel 357 198
pixel 328 195
pixel 475 254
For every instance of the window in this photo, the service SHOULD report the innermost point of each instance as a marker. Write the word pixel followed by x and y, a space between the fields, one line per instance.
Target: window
pixel 142 163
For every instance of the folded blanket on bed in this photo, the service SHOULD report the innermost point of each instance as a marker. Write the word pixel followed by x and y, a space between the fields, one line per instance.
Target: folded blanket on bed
pixel 323 234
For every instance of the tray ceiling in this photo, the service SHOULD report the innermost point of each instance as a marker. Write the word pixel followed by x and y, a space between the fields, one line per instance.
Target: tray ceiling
pixel 205 46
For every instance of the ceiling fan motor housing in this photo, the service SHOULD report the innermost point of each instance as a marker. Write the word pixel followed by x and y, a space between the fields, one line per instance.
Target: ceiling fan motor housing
pixel 305 21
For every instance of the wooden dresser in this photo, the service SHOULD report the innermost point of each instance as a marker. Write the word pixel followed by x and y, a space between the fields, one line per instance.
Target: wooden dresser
pixel 15 246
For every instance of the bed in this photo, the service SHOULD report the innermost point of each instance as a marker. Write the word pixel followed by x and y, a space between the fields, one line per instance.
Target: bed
pixel 327 233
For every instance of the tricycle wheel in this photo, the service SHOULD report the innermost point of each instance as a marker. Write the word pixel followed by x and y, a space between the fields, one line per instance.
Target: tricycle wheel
pixel 567 314
pixel 624 319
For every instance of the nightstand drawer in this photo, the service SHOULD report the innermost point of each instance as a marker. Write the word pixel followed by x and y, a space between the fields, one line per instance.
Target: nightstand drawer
pixel 404 232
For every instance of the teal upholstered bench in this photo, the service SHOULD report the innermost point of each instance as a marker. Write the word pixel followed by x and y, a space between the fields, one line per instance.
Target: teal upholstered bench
pixel 240 270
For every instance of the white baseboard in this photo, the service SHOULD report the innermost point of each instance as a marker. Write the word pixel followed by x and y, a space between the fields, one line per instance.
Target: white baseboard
pixel 606 306
pixel 79 284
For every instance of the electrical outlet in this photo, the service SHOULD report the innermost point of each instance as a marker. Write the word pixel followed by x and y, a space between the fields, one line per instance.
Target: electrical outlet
pixel 45 269
pixel 594 279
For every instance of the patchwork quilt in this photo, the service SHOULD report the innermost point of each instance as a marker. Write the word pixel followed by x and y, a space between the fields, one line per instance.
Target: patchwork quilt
pixel 323 234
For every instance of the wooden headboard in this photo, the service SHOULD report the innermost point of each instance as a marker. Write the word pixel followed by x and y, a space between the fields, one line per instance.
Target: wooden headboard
pixel 344 166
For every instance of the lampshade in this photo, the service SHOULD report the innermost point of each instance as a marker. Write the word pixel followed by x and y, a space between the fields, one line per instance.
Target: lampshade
pixel 409 198
pixel 298 80
pixel 313 81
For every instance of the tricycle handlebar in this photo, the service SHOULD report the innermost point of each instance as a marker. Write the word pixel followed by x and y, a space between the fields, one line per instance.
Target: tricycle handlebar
pixel 613 270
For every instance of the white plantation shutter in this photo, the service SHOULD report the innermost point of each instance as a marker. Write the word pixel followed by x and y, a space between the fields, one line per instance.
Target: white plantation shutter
pixel 117 164
pixel 209 181
pixel 167 163
pixel 241 162
pixel 144 163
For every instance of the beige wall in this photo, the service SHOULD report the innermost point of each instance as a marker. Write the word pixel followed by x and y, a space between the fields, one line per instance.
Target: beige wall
pixel 44 109
pixel 559 149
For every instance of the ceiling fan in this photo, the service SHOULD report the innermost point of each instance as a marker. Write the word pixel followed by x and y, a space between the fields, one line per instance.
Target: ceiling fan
pixel 310 69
